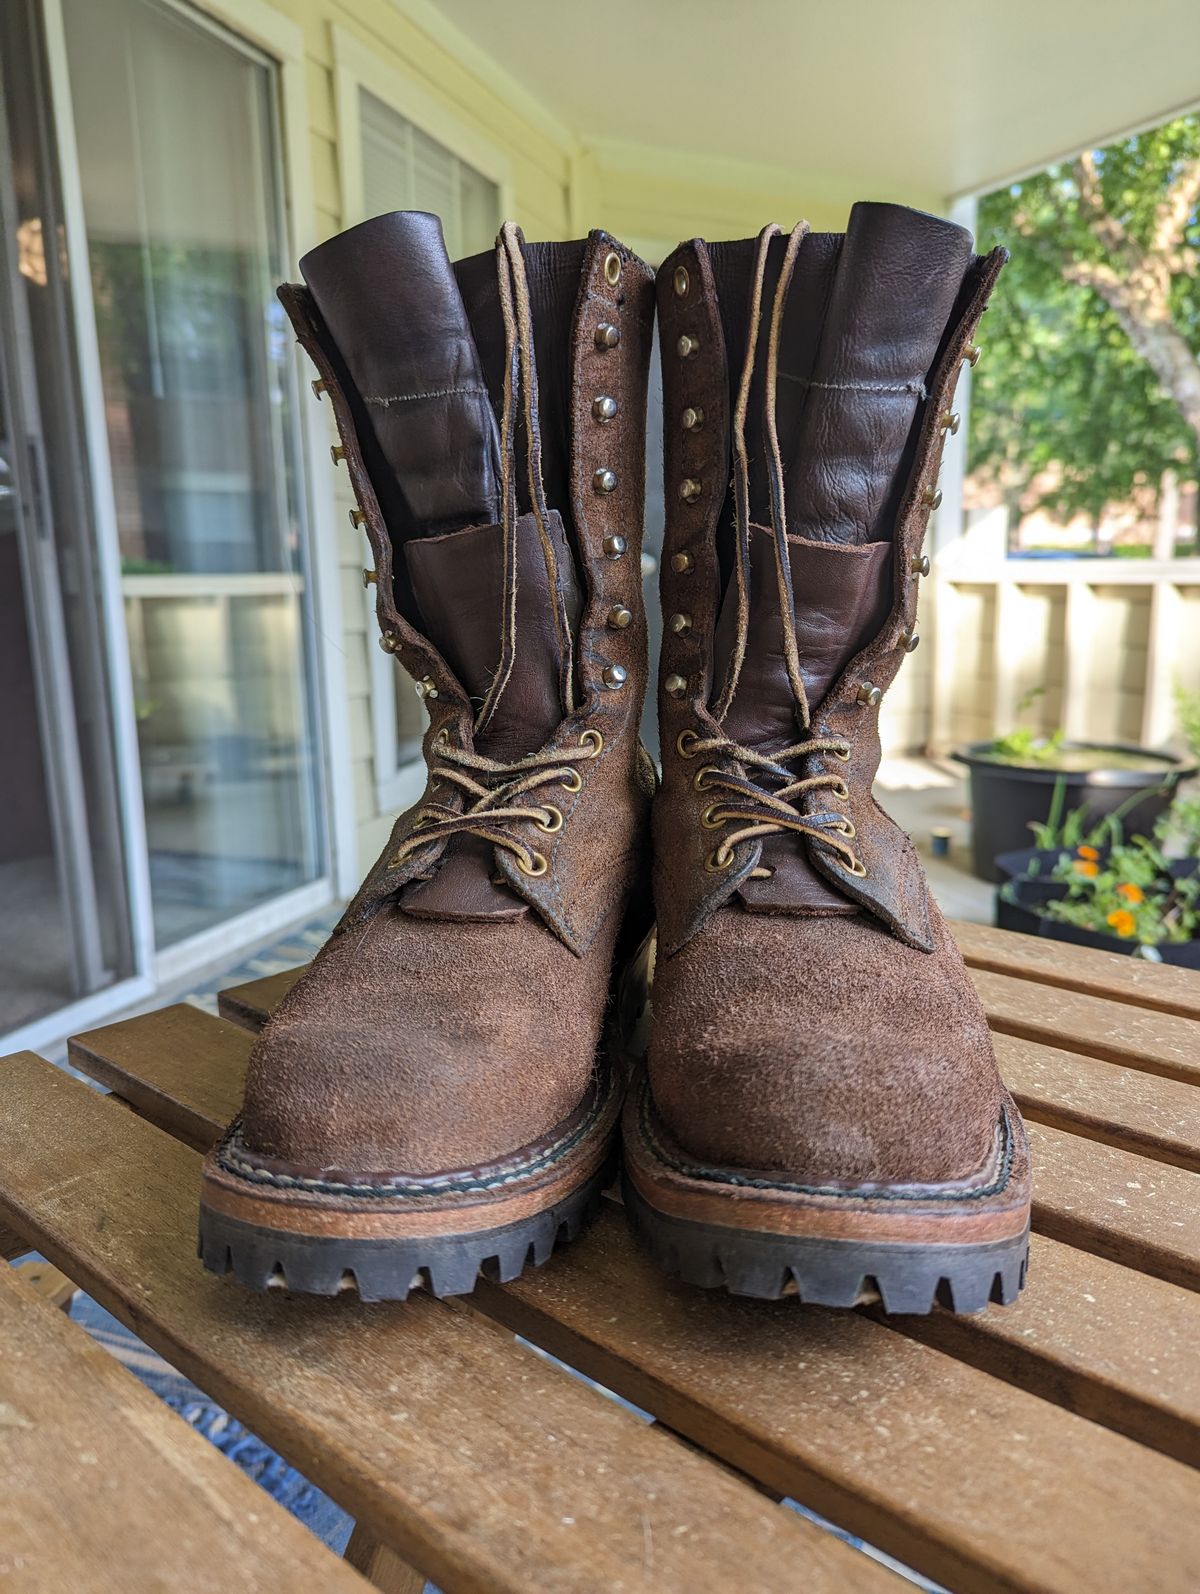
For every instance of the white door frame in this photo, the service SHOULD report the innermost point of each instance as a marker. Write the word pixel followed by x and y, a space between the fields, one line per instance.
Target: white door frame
pixel 281 39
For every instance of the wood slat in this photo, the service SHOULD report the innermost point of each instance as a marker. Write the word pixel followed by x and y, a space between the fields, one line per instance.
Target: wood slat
pixel 457 1447
pixel 1110 975
pixel 103 1488
pixel 1118 1032
pixel 1138 1212
pixel 964 1477
pixel 1146 1113
pixel 1100 1339
pixel 1091 1335
pixel 251 1004
pixel 1142 1213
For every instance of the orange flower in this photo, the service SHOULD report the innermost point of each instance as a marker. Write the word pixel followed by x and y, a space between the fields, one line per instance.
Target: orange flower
pixel 1122 921
pixel 1131 893
pixel 1086 866
pixel 1088 852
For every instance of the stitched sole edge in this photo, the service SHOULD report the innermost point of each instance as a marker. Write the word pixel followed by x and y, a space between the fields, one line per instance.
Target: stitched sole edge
pixel 909 1279
pixel 390 1269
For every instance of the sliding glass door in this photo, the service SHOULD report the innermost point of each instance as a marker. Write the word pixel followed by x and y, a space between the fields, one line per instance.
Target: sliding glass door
pixel 179 171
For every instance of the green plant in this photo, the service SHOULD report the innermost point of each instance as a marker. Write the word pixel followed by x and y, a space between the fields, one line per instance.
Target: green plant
pixel 1187 707
pixel 1024 744
pixel 1127 892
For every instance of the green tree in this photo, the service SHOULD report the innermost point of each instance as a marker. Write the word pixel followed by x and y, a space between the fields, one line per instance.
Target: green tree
pixel 1093 339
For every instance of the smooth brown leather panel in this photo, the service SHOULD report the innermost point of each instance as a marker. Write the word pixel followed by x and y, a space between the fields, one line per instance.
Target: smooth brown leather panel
pixel 553 272
pixel 458 581
pixel 842 596
pixel 898 276
pixel 389 297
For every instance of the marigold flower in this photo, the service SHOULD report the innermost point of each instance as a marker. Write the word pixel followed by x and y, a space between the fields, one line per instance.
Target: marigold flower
pixel 1122 921
pixel 1086 866
pixel 1088 852
pixel 1130 892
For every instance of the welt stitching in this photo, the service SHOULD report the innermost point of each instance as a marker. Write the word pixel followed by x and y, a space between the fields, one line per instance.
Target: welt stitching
pixel 413 398
pixel 231 1162
pixel 746 1181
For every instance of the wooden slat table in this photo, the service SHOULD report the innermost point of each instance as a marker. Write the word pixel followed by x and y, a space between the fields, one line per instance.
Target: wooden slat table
pixel 1051 1446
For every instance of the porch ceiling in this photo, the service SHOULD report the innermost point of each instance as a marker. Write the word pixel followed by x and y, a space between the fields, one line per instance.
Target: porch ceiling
pixel 891 98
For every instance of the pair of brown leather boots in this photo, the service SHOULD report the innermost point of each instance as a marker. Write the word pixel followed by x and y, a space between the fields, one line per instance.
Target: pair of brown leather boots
pixel 818 1111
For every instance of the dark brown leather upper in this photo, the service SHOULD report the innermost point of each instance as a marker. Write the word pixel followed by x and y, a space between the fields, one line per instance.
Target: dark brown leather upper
pixel 388 295
pixel 858 464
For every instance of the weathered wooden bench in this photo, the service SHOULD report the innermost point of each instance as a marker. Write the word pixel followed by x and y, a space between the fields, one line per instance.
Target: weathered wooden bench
pixel 1050 1446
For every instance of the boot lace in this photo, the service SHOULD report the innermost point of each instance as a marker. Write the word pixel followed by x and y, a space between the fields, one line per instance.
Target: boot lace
pixel 499 794
pixel 767 805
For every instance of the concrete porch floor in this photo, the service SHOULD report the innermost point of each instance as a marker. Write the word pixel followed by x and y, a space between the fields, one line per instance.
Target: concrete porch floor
pixel 922 795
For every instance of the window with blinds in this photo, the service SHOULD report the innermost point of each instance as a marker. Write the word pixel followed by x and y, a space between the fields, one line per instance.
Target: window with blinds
pixel 404 169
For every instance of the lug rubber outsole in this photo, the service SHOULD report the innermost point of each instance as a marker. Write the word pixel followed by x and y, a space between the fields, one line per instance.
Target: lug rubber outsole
pixel 906 1278
pixel 390 1269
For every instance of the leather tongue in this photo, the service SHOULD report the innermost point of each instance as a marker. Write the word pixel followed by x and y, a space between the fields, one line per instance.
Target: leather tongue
pixel 458 582
pixel 842 597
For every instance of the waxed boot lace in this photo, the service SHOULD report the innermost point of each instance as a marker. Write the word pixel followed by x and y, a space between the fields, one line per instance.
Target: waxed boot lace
pixel 767 805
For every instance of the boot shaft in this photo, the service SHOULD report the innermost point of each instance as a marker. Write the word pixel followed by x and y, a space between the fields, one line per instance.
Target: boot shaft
pixel 823 367
pixel 492 418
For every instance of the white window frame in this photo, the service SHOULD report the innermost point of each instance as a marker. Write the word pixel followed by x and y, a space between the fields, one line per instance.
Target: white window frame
pixel 356 68
pixel 282 41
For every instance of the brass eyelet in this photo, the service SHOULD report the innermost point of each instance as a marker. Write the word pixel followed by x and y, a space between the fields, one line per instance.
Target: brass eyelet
pixel 841 791
pixel 715 864
pixel 551 826
pixel 698 781
pixel 540 865
pixel 845 828
pixel 854 867
pixel 592 740
pixel 684 743
pixel 573 781
pixel 442 739
pixel 707 820
pixel 842 754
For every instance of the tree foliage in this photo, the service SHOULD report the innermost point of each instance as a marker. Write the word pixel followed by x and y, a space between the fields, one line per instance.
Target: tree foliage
pixel 1092 361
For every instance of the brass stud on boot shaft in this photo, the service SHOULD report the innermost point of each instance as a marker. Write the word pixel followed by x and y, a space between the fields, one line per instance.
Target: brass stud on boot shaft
pixel 868 695
pixel 687 345
pixel 337 453
pixel 931 498
pixel 389 641
pixel 369 578
pixel 920 564
pixel 682 564
pixel 910 641
pixel 607 335
pixel 319 386
pixel 950 422
pixel 681 623
pixel 356 518
pixel 971 354
pixel 614 547
pixel 690 489
pixel 604 409
pixel 675 686
pixel 604 480
pixel 618 617
pixel 692 418
pixel 426 688
pixel 615 676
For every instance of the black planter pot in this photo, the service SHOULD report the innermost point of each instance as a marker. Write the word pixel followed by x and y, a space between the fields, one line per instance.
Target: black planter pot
pixel 1007 798
pixel 1018 903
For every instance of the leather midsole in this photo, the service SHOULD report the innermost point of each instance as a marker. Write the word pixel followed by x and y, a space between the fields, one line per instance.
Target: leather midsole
pixel 878 1217
pixel 404 1216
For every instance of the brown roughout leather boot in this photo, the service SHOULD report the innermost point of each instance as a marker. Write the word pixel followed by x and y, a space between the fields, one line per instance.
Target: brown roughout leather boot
pixel 821 1114
pixel 438 1094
